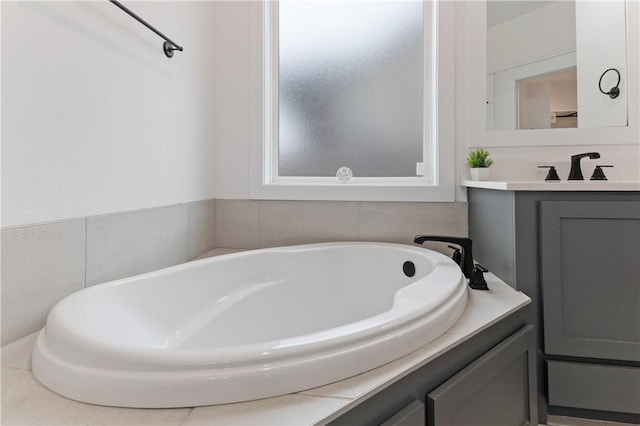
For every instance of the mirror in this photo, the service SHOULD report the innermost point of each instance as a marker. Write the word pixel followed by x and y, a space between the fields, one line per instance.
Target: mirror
pixel 545 60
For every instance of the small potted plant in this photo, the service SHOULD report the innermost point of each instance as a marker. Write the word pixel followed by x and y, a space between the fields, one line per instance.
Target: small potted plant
pixel 479 162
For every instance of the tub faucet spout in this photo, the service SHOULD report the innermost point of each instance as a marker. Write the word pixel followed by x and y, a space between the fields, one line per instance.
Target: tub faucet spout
pixel 466 259
pixel 474 273
pixel 576 171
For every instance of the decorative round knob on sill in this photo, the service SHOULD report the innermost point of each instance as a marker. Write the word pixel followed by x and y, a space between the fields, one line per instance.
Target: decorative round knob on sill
pixel 344 174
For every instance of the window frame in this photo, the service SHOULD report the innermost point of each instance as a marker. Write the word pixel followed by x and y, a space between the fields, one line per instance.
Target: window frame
pixel 438 182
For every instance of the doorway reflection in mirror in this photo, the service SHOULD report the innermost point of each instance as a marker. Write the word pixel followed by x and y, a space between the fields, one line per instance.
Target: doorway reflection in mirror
pixel 544 59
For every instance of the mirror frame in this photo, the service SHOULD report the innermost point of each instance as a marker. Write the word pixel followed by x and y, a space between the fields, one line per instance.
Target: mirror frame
pixel 472 17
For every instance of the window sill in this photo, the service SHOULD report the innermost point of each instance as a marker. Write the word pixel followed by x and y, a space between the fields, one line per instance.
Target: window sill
pixel 364 191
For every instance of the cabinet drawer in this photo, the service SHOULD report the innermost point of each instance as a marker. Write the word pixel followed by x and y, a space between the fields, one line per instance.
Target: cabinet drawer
pixel 594 386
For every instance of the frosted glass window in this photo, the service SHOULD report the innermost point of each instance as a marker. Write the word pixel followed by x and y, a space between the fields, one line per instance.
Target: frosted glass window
pixel 350 87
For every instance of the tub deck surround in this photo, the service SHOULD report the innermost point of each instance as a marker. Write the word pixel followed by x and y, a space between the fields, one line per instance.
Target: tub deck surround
pixel 248 325
pixel 562 185
pixel 25 401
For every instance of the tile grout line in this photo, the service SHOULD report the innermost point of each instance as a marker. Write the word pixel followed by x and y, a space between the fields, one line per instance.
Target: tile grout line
pixel 86 243
pixel 358 222
pixel 188 256
pixel 259 242
pixel 315 395
pixel 11 367
pixel 215 224
pixel 186 417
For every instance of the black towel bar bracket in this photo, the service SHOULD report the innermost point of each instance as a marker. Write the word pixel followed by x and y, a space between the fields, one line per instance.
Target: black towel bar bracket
pixel 168 46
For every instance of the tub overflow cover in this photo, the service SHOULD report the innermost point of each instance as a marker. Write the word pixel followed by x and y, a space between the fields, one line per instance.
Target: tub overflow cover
pixel 409 268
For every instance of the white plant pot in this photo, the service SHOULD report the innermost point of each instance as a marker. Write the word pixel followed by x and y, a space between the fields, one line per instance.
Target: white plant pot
pixel 481 173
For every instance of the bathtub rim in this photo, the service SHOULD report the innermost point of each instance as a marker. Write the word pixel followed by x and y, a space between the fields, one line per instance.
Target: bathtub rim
pixel 188 375
pixel 272 350
pixel 218 386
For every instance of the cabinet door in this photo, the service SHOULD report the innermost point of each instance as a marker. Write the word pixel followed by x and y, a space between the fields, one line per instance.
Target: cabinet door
pixel 590 261
pixel 499 388
pixel 411 415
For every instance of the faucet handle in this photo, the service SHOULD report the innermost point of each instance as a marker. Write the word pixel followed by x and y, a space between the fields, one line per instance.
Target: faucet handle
pixel 598 174
pixel 457 255
pixel 477 281
pixel 552 175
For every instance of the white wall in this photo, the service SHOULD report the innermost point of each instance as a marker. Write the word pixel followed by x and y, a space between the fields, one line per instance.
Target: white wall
pixel 601 43
pixel 95 118
pixel 540 34
pixel 232 82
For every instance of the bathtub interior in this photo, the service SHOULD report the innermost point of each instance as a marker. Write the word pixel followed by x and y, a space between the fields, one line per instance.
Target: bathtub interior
pixel 252 297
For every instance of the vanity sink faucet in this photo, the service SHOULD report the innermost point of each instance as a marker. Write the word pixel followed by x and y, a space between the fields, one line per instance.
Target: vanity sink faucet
pixel 576 171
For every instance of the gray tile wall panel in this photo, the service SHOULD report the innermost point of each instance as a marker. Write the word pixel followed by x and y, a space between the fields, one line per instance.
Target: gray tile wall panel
pixel 285 223
pixel 40 266
pixel 122 245
pixel 237 223
pixel 202 224
pixel 400 222
pixel 254 224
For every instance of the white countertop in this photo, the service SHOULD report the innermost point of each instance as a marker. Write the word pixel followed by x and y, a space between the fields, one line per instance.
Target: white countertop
pixel 26 401
pixel 562 185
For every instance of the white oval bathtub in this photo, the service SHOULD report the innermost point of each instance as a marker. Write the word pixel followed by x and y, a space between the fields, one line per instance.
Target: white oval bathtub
pixel 247 325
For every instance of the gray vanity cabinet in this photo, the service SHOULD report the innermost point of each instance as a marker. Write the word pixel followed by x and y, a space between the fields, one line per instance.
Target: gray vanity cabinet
pixel 488 379
pixel 590 276
pixel 577 255
pixel 411 415
pixel 494 390
pixel 590 264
